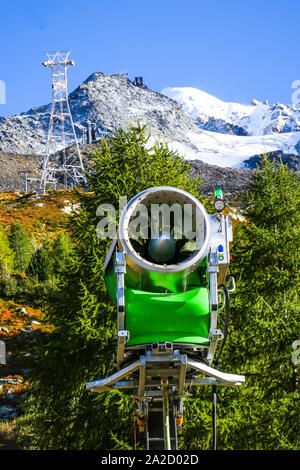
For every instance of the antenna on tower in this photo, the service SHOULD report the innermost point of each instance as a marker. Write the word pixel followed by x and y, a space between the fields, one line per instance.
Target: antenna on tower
pixel 59 165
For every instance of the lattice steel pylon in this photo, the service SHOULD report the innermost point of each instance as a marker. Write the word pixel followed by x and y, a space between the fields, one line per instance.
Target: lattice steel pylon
pixel 59 165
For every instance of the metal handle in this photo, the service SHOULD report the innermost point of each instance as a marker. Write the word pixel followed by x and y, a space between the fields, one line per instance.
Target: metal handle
pixel 231 281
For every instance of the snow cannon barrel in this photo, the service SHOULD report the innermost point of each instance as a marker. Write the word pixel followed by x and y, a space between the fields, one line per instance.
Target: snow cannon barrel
pixel 156 222
pixel 168 242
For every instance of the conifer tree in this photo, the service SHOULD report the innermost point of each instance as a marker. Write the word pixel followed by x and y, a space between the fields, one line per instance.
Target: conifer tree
pixel 61 253
pixel 267 260
pixel 40 264
pixel 6 255
pixel 263 413
pixel 22 246
pixel 63 415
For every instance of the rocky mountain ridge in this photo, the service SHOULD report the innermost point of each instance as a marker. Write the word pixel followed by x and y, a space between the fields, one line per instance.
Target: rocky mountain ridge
pixel 108 102
pixel 218 138
pixel 197 125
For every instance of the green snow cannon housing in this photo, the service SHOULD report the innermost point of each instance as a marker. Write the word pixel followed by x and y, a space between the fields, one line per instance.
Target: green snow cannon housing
pixel 163 269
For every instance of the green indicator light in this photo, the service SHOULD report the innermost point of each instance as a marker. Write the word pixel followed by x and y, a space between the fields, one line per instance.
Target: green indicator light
pixel 219 193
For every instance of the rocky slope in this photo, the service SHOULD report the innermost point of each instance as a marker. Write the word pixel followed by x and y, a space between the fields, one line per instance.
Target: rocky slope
pixel 12 170
pixel 231 180
pixel 12 177
pixel 109 103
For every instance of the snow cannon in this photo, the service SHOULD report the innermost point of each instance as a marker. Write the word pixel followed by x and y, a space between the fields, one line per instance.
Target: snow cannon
pixel 166 272
pixel 164 269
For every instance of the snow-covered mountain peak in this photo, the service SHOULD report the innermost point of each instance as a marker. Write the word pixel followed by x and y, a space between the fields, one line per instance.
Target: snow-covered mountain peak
pixel 201 106
pixel 213 114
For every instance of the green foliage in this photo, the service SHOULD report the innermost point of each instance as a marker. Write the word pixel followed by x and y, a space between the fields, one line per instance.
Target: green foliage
pixel 8 285
pixel 6 255
pixel 61 253
pixel 10 288
pixel 63 415
pixel 22 246
pixel 40 265
pixel 262 414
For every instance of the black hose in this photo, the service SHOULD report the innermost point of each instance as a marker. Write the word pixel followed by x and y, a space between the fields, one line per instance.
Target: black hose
pixel 216 363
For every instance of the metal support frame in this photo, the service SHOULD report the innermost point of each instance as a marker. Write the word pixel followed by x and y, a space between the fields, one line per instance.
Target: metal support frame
pixel 182 374
pixel 123 335
pixel 161 366
pixel 162 377
pixel 142 378
pixel 217 267
pixel 166 416
pixel 214 333
pixel 68 165
pixel 213 269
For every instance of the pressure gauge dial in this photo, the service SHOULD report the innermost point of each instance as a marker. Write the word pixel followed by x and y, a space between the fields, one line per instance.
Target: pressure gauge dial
pixel 219 205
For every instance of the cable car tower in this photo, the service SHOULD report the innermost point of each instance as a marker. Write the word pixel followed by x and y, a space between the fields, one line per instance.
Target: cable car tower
pixel 64 167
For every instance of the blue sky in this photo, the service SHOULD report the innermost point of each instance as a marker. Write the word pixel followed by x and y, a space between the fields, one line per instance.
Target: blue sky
pixel 233 49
